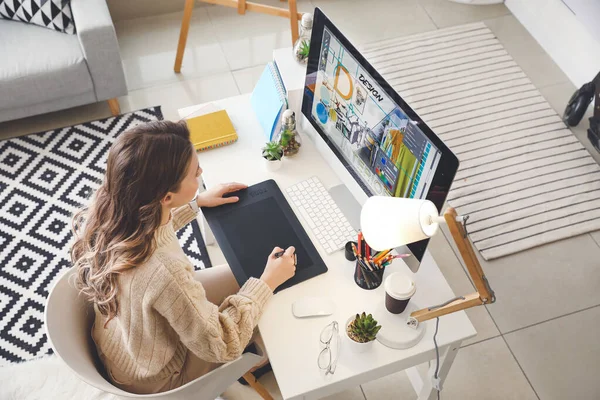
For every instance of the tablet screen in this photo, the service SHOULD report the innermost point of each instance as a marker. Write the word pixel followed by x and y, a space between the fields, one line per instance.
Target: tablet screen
pixel 255 229
pixel 247 232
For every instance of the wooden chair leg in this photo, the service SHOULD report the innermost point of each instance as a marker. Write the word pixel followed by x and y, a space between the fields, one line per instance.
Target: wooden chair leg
pixel 183 33
pixel 293 20
pixel 115 109
pixel 242 7
pixel 254 384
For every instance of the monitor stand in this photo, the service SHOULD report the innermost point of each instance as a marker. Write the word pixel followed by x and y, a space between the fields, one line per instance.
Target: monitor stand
pixel 347 204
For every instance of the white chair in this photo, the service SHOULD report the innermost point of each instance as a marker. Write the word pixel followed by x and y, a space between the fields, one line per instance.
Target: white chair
pixel 69 319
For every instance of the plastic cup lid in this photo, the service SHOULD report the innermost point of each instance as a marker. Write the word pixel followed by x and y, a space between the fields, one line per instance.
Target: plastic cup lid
pixel 400 286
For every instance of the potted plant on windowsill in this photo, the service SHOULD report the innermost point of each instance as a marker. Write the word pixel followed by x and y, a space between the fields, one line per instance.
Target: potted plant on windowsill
pixel 361 332
pixel 272 153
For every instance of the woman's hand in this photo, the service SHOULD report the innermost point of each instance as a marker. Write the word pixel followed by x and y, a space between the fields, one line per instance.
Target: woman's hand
pixel 213 197
pixel 279 270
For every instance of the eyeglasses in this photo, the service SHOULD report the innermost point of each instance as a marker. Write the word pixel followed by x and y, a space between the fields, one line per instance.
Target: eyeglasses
pixel 330 337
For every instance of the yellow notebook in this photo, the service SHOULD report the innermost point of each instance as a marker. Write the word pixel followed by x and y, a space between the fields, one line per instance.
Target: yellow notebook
pixel 211 130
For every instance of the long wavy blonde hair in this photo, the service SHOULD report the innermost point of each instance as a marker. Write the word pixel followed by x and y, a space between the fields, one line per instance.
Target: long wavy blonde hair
pixel 115 232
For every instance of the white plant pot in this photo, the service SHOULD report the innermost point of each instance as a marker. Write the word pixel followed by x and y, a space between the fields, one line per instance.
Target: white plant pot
pixel 354 346
pixel 272 166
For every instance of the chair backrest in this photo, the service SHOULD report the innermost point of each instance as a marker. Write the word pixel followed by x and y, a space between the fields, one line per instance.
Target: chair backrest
pixel 69 320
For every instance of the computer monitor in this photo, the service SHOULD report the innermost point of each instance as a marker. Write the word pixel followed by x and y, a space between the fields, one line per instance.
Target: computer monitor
pixel 378 139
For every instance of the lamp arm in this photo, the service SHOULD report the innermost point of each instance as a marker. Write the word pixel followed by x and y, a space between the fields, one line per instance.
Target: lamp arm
pixel 484 294
pixel 468 254
pixel 457 304
pixel 442 220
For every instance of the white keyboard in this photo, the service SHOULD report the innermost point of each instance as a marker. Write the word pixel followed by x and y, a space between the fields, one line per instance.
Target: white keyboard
pixel 323 216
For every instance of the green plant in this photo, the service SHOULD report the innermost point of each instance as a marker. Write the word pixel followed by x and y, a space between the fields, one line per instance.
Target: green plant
pixel 286 135
pixel 363 328
pixel 304 49
pixel 272 151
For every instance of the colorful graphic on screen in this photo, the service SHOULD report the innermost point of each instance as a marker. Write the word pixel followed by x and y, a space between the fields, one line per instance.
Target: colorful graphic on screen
pixel 388 150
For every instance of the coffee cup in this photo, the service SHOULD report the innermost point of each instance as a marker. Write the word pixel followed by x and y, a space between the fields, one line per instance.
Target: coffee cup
pixel 399 288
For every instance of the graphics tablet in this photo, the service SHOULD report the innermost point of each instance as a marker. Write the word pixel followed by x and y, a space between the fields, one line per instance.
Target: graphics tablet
pixel 247 232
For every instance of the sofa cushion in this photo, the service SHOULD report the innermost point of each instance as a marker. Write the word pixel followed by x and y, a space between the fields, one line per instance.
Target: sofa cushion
pixel 39 65
pixel 53 14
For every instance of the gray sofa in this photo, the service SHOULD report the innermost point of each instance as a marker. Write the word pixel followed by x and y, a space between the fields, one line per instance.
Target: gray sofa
pixel 42 70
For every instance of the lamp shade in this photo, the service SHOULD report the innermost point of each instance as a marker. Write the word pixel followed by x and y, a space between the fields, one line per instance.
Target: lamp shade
pixel 388 222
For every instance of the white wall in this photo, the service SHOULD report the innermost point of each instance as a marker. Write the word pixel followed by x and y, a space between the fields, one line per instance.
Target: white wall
pixel 564 37
pixel 588 12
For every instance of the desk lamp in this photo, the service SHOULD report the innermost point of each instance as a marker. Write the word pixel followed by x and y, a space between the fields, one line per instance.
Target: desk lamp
pixel 389 222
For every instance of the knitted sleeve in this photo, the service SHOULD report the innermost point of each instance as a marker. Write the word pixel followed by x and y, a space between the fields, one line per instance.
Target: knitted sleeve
pixel 182 216
pixel 214 334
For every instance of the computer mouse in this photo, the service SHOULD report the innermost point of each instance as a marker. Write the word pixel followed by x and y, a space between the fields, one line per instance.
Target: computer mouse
pixel 313 307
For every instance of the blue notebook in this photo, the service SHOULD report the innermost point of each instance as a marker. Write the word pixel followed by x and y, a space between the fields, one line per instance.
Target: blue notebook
pixel 269 100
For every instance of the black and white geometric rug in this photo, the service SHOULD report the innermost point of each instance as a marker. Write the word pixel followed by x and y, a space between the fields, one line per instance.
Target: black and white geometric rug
pixel 44 178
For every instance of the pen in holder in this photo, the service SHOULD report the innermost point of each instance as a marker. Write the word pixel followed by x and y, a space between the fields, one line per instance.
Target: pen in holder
pixel 370 264
pixel 367 277
pixel 349 251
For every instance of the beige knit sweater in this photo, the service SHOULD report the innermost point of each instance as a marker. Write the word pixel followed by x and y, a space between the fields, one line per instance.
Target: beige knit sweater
pixel 163 313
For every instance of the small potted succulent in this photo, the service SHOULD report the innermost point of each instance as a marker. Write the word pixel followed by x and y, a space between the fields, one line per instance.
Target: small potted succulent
pixel 302 50
pixel 272 153
pixel 361 332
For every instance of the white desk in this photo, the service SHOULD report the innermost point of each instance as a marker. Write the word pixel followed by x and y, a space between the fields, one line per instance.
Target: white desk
pixel 293 344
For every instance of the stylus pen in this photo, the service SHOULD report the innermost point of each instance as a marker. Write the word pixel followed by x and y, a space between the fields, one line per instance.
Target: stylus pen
pixel 282 252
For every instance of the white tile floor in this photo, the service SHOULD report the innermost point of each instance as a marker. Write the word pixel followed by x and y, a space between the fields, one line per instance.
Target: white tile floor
pixel 539 340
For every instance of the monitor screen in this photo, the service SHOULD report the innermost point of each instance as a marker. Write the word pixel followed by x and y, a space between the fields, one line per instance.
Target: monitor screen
pixel 380 140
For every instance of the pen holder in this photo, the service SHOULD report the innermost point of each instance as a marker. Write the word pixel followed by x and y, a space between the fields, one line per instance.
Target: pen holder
pixel 367 279
pixel 348 252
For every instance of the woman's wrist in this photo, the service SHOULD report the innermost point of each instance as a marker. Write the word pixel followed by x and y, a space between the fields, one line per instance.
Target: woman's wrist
pixel 200 200
pixel 269 283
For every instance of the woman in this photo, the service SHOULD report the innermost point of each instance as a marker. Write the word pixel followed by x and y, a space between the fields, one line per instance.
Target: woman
pixel 157 323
